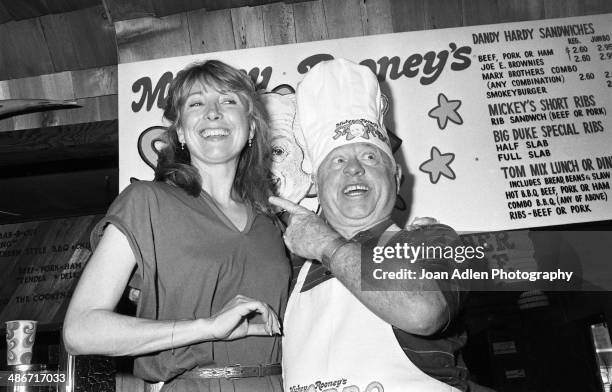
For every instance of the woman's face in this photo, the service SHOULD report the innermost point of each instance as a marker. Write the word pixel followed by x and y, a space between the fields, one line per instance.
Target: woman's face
pixel 214 125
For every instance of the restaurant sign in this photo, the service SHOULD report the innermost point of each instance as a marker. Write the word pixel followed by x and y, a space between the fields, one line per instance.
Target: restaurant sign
pixel 502 126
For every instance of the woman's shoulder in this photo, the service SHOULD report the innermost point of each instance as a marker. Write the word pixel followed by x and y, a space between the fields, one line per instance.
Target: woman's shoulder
pixel 142 191
pixel 142 187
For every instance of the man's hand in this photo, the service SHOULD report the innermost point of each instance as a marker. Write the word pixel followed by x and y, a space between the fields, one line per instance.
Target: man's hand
pixel 307 235
pixel 418 222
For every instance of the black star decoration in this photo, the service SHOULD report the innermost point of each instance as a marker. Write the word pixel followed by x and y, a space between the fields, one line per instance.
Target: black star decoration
pixel 446 110
pixel 438 165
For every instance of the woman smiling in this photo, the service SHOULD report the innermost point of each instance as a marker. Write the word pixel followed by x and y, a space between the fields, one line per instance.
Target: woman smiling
pixel 200 244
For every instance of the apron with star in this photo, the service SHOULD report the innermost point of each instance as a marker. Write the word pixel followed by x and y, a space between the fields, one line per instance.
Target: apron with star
pixel 332 342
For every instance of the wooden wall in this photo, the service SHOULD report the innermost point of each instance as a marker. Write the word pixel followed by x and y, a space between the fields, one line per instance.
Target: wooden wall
pixel 73 55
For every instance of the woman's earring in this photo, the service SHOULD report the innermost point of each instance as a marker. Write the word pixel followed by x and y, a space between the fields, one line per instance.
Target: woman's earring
pixel 182 145
pixel 250 142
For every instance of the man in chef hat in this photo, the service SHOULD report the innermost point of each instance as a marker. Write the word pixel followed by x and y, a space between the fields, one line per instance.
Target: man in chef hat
pixel 341 331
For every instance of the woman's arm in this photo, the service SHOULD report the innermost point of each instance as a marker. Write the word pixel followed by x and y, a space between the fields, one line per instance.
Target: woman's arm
pixel 92 327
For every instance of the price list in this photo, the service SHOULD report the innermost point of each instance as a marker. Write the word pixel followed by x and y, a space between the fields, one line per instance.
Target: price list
pixel 548 91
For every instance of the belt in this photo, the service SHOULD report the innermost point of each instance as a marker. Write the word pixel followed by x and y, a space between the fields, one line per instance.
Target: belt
pixel 234 371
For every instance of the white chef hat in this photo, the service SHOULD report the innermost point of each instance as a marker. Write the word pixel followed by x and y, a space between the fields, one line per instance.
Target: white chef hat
pixel 339 103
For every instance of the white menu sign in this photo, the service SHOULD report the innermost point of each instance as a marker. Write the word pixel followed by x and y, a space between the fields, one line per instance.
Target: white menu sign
pixel 503 126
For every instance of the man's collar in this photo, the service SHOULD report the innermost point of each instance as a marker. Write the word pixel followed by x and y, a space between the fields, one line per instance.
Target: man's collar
pixel 373 232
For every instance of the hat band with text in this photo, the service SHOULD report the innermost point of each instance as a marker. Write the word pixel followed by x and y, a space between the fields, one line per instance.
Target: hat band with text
pixel 351 129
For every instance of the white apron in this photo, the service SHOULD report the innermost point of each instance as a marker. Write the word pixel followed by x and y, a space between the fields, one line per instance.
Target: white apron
pixel 332 342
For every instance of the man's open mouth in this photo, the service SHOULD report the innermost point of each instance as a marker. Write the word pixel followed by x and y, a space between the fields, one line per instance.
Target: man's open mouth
pixel 356 190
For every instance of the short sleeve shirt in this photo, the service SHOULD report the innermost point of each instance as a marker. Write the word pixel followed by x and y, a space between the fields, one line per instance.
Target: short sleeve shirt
pixel 191 260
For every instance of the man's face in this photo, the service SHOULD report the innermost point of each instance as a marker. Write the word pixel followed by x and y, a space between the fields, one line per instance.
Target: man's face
pixel 356 184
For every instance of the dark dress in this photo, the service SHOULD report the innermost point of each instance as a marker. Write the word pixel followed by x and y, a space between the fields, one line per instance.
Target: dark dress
pixel 191 260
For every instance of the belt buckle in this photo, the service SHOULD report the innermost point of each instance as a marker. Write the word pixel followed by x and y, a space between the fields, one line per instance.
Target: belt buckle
pixel 233 372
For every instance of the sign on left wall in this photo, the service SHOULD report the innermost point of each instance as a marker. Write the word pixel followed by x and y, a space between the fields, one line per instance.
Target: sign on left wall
pixel 41 263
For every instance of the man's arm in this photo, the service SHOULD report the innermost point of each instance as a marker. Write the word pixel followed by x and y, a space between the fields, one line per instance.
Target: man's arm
pixel 420 308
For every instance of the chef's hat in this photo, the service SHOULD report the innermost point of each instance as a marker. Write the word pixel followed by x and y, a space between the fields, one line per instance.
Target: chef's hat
pixel 339 103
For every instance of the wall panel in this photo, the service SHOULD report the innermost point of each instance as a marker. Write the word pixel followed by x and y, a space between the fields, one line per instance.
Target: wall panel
pixel 279 25
pixel 165 7
pixel 93 36
pixel 24 50
pixel 309 20
pixel 95 82
pixel 52 144
pixel 597 6
pixel 562 8
pixel 8 124
pixel 52 86
pixel 36 120
pixel 134 9
pixel 57 42
pixel 6 46
pixel 93 109
pixel 59 37
pixel 377 17
pixel 25 9
pixel 4 89
pixel 343 18
pixel 408 15
pixel 151 38
pixel 19 10
pixel 519 10
pixel 440 14
pixel 4 14
pixel 248 27
pixel 478 12
pixel 210 31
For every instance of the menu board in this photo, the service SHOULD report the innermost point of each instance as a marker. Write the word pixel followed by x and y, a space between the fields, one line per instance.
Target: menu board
pixel 548 91
pixel 41 263
pixel 503 126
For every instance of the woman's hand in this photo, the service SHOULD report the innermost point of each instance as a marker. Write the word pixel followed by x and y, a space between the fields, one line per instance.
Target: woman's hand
pixel 237 319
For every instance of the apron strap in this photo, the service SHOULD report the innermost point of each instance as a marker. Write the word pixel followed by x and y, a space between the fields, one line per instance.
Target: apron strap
pixel 388 234
pixel 302 276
